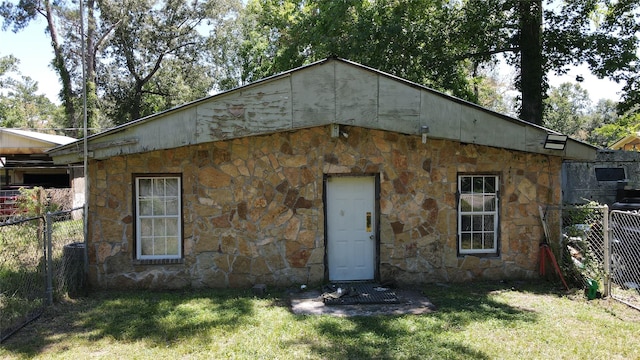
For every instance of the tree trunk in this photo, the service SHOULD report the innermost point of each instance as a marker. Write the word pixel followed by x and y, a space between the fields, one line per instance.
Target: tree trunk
pixel 136 102
pixel 61 67
pixel 532 78
pixel 92 96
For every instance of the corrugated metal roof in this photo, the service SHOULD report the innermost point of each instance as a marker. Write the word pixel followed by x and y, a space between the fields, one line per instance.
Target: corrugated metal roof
pixel 53 139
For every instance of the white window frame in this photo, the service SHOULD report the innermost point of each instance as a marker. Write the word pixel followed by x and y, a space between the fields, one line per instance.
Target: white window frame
pixel 475 208
pixel 157 217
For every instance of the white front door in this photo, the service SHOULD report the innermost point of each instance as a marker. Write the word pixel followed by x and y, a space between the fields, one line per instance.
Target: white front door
pixel 351 241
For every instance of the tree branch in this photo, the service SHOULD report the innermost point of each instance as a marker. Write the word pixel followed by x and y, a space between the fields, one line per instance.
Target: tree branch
pixel 488 52
pixel 159 61
pixel 154 93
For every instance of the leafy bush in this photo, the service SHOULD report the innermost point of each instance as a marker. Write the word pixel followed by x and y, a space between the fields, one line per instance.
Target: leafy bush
pixel 34 202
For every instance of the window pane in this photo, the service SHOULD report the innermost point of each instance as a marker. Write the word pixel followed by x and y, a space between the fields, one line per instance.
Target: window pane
pixel 465 223
pixel 158 227
pixel 146 207
pixel 146 227
pixel 477 223
pixel 147 246
pixel 144 187
pixel 465 202
pixel 476 240
pixel 173 246
pixel 489 202
pixel 172 187
pixel 490 184
pixel 158 206
pixel 478 204
pixel 171 227
pixel 478 185
pixel 489 240
pixel 488 223
pixel 158 187
pixel 171 206
pixel 465 241
pixel 465 184
pixel 160 246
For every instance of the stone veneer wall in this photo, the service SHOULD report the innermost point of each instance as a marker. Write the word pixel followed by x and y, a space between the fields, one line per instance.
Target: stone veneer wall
pixel 253 209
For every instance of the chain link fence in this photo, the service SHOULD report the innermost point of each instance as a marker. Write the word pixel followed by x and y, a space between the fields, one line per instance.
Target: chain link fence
pixel 577 237
pixel 22 271
pixel 8 204
pixel 597 249
pixel 625 257
pixel 41 261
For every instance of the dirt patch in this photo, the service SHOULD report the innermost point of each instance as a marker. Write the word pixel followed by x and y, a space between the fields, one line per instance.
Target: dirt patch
pixel 409 302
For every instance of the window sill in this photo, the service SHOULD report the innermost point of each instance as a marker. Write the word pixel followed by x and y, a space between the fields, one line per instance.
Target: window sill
pixel 481 255
pixel 158 261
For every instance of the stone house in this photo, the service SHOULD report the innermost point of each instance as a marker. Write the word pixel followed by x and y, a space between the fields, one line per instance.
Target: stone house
pixel 328 172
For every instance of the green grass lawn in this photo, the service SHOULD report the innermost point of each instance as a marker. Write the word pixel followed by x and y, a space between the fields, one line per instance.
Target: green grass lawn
pixel 472 321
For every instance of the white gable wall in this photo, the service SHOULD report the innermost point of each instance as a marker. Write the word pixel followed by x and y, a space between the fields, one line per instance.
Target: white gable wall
pixel 333 91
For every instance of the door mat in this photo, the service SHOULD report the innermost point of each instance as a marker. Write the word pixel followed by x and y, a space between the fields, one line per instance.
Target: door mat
pixel 358 293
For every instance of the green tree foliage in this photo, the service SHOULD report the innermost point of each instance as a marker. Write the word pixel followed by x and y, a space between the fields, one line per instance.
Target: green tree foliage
pixel 601 34
pixel 442 43
pixel 566 110
pixel 413 39
pixel 538 37
pixel 144 56
pixel 604 115
pixel 8 64
pixel 62 20
pixel 494 90
pixel 20 104
pixel 140 56
pixel 157 57
pixel 609 133
pixel 569 110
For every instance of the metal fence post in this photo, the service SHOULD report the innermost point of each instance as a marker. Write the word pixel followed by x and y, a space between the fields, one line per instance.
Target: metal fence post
pixel 607 251
pixel 49 253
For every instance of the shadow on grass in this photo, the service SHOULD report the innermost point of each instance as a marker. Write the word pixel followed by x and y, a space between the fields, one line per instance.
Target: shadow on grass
pixel 165 316
pixel 162 319
pixel 428 336
pixel 156 317
pixel 383 337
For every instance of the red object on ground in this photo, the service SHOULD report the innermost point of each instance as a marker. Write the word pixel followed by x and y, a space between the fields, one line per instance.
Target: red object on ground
pixel 545 252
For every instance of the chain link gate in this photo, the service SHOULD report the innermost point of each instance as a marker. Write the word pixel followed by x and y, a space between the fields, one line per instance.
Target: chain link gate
pixel 625 257
pixel 41 261
pixel 597 249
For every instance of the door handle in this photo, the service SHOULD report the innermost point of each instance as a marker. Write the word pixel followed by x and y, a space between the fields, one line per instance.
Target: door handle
pixel 372 237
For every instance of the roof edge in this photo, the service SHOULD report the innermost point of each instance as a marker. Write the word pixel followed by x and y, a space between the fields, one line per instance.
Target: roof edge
pixel 288 73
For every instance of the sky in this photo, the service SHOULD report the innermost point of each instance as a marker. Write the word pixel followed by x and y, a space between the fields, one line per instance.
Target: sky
pixel 32 47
